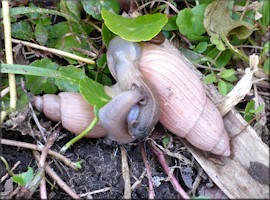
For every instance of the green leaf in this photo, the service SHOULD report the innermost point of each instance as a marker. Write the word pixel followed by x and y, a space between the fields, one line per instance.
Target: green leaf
pixel 249 110
pixel 41 34
pixel 166 141
pixel 218 42
pixel 38 85
pixel 22 30
pixel 223 59
pixel 74 7
pixel 68 86
pixel 68 43
pixel 265 13
pixel 227 73
pixel 171 24
pixel 201 197
pixel 94 7
pixel 141 28
pixel 222 87
pixel 106 34
pixel 23 178
pixel 94 93
pixel 218 21
pixel 260 108
pixel 266 66
pixel 190 21
pixel 210 78
pixel 201 47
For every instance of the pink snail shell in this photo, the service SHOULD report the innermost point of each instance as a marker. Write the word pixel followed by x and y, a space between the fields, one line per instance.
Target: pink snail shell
pixel 186 110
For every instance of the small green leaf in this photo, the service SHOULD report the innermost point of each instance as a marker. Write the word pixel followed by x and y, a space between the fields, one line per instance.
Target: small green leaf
pixel 22 30
pixel 260 108
pixel 166 141
pixel 23 178
pixel 266 46
pixel 218 42
pixel 223 59
pixel 249 110
pixel 210 78
pixel 94 93
pixel 38 85
pixel 41 34
pixel 222 87
pixel 190 21
pixel 201 47
pixel 107 35
pixel 68 86
pixel 266 66
pixel 201 197
pixel 227 73
pixel 141 28
pixel 94 7
pixel 74 7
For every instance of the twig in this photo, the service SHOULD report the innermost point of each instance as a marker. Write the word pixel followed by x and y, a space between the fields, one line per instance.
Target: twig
pixel 55 51
pixel 12 169
pixel 48 145
pixel 95 192
pixel 4 92
pixel 151 194
pixel 39 148
pixel 125 172
pixel 58 180
pixel 9 57
pixel 138 181
pixel 166 168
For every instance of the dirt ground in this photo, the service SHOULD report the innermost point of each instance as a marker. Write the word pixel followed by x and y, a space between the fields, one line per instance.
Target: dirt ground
pixel 101 168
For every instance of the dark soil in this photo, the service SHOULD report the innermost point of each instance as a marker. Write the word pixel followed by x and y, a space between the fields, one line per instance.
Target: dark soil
pixel 101 168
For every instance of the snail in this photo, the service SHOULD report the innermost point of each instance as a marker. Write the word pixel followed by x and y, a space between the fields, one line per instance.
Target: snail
pixel 155 83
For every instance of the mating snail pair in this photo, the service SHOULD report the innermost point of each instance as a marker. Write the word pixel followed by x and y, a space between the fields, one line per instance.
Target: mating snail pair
pixel 154 83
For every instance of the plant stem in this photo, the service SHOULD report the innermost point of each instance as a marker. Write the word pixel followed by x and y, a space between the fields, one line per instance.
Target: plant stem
pixel 55 51
pixel 9 54
pixel 80 136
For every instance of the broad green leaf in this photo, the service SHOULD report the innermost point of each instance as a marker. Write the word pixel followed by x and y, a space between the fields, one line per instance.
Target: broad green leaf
pixel 106 34
pixel 266 67
pixel 218 21
pixel 227 73
pixel 190 21
pixel 222 87
pixel 68 86
pixel 141 28
pixel 210 78
pixel 93 92
pixel 230 86
pixel 23 178
pixel 22 30
pixel 201 47
pixel 94 7
pixel 171 24
pixel 223 59
pixel 74 7
pixel 38 85
pixel 41 34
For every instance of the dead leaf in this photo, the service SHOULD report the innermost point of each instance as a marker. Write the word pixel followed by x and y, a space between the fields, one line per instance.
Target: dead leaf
pixel 218 21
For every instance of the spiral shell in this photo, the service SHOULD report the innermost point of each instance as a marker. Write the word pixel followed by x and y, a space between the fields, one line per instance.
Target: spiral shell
pixel 71 109
pixel 186 110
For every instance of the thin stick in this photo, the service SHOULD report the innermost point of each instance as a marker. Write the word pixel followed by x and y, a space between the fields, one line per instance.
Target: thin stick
pixel 151 193
pixel 95 192
pixel 58 180
pixel 12 169
pixel 38 148
pixel 166 168
pixel 4 92
pixel 55 51
pixel 9 56
pixel 125 172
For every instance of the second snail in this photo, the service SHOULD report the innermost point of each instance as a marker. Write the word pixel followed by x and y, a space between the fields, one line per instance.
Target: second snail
pixel 154 83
